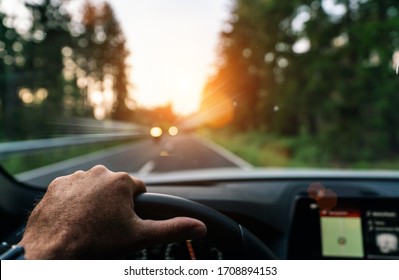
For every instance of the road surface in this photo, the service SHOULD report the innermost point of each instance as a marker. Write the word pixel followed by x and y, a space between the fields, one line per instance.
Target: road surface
pixel 184 152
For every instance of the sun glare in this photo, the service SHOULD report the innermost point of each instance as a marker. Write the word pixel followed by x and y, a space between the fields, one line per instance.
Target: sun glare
pixel 173 46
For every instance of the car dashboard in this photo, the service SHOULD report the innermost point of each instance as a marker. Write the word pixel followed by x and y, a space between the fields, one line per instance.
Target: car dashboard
pixel 358 217
pixel 361 223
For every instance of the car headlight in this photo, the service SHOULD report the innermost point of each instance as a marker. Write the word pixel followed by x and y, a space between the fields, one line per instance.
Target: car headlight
pixel 156 132
pixel 173 130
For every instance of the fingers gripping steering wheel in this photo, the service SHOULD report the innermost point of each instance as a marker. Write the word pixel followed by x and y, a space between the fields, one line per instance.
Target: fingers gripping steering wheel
pixel 231 238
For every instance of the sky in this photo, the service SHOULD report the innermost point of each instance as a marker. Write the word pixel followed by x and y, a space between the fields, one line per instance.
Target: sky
pixel 173 46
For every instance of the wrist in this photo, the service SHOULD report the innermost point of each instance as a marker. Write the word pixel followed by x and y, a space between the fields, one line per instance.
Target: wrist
pixel 56 247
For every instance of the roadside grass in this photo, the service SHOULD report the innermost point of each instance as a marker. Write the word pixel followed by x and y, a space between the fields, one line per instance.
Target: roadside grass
pixel 15 164
pixel 257 149
pixel 268 150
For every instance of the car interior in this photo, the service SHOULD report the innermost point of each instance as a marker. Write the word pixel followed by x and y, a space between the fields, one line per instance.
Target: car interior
pixel 259 214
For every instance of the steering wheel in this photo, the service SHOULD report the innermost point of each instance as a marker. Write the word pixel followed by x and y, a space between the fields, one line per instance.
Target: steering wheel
pixel 235 241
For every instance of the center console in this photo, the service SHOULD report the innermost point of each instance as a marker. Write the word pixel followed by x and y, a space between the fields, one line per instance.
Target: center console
pixel 357 228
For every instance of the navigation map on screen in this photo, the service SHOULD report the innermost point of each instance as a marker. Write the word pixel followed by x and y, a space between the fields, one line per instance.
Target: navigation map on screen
pixel 341 233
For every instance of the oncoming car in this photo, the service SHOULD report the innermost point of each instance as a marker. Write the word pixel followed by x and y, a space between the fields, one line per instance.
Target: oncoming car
pixel 156 132
pixel 273 122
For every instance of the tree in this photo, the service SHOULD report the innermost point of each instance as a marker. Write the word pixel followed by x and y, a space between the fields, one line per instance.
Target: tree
pixel 101 53
pixel 301 68
pixel 248 66
pixel 46 69
pixel 10 48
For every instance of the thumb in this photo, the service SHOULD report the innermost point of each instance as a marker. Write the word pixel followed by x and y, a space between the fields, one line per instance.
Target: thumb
pixel 167 231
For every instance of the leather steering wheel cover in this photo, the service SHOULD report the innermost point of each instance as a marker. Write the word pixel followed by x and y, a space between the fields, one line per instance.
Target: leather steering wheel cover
pixel 231 238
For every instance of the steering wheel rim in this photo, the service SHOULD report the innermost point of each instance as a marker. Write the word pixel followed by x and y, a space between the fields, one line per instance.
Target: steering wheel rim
pixel 231 238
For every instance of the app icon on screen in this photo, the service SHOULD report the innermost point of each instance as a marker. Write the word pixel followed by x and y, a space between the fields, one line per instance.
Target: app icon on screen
pixel 387 243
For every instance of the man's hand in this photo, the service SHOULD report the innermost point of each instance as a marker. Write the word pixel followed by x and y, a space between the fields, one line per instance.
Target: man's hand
pixel 91 215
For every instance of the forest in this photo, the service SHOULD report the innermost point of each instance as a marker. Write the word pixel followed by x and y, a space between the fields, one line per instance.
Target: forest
pixel 317 75
pixel 49 63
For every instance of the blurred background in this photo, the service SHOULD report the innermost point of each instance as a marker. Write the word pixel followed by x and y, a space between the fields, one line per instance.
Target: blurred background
pixel 288 83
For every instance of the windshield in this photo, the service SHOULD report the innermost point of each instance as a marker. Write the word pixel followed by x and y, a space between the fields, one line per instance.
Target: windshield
pixel 157 86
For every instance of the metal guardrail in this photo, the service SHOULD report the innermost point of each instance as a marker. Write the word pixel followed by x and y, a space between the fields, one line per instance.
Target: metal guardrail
pixel 29 146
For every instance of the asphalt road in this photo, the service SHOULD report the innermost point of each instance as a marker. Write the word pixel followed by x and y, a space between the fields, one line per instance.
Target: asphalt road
pixel 183 152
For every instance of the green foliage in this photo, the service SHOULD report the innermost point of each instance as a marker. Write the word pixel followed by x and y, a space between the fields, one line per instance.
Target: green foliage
pixel 51 69
pixel 270 150
pixel 300 70
pixel 259 149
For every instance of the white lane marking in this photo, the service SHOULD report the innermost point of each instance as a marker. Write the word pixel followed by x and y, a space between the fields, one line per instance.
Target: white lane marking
pixel 225 153
pixel 147 168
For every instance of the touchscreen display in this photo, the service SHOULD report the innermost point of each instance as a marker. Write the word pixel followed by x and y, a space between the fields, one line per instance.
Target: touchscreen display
pixel 357 228
pixel 341 233
pixel 382 230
